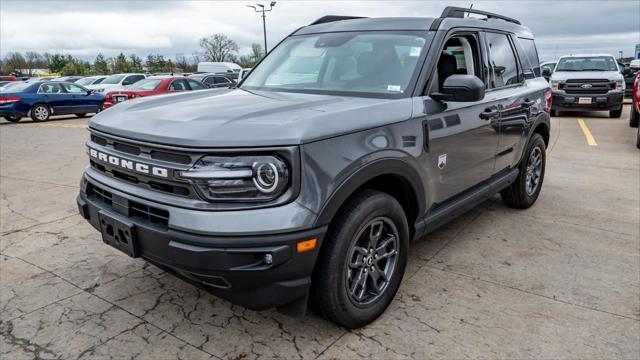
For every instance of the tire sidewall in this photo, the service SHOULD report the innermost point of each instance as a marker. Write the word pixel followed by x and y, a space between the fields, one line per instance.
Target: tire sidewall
pixel 535 141
pixel 33 115
pixel 377 205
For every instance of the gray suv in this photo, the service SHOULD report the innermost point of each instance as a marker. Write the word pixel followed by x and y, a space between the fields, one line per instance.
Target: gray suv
pixel 306 185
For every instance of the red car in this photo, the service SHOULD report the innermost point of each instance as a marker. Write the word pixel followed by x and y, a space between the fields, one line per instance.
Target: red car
pixel 155 85
pixel 634 117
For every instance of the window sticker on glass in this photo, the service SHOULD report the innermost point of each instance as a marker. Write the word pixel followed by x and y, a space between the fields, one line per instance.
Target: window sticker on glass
pixel 415 51
pixel 394 88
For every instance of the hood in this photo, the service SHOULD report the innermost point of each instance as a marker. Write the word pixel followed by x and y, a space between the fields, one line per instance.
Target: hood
pixel 567 75
pixel 105 87
pixel 238 118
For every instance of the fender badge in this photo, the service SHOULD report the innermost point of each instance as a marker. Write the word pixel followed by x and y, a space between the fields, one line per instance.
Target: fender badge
pixel 442 161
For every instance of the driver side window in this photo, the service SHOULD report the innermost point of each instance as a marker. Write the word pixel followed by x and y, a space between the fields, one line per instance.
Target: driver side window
pixel 459 56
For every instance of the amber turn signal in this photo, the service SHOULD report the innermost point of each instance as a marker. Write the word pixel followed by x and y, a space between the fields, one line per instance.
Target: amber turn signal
pixel 307 245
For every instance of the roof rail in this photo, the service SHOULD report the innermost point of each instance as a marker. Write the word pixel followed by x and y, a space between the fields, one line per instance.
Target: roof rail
pixel 332 18
pixel 458 12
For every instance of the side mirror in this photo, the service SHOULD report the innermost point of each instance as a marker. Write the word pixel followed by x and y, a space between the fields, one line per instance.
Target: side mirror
pixel 89 92
pixel 546 72
pixel 463 88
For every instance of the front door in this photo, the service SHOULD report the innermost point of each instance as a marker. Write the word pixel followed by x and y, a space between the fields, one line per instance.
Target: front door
pixel 463 136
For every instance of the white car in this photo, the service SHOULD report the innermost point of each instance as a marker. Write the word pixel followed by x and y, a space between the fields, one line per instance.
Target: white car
pixel 91 80
pixel 116 82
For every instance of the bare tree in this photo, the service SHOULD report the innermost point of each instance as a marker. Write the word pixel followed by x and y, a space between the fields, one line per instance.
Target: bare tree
pixel 218 47
pixel 33 59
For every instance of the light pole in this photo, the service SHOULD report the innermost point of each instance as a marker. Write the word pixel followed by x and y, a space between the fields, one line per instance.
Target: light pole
pixel 259 8
pixel 620 52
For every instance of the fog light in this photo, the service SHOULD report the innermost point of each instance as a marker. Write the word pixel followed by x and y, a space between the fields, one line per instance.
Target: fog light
pixel 267 259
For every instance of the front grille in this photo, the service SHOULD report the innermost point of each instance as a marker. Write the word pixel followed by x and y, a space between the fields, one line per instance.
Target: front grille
pixel 146 154
pixel 130 208
pixel 597 86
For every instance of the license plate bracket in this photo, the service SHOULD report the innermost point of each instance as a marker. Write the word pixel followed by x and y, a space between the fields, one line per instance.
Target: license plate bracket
pixel 119 98
pixel 119 233
pixel 584 100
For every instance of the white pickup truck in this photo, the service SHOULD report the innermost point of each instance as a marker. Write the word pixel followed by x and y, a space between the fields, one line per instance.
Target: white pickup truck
pixel 587 82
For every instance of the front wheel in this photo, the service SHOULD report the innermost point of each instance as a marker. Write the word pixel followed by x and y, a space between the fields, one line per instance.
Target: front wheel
pixel 13 118
pixel 40 112
pixel 525 190
pixel 362 260
pixel 615 113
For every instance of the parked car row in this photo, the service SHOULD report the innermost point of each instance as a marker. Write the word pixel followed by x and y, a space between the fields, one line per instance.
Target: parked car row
pixel 39 98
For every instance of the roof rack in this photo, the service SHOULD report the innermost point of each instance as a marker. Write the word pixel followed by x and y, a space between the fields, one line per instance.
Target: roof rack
pixel 458 12
pixel 332 18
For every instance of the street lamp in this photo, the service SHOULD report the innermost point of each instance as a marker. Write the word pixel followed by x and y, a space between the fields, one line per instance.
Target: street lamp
pixel 620 52
pixel 260 8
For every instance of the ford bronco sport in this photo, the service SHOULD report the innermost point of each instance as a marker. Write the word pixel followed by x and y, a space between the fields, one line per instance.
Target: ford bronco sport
pixel 587 82
pixel 307 183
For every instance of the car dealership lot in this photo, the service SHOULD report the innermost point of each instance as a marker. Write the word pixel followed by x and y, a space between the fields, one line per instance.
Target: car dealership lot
pixel 558 280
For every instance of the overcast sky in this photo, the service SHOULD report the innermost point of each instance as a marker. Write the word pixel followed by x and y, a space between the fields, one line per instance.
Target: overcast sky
pixel 84 28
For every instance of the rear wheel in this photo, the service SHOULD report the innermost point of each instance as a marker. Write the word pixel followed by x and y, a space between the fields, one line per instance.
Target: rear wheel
pixel 81 115
pixel 553 113
pixel 525 190
pixel 40 112
pixel 615 113
pixel 13 118
pixel 634 118
pixel 362 260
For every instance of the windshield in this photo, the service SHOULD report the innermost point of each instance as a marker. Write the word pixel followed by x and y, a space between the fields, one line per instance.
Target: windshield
pixel 86 81
pixel 14 87
pixel 113 79
pixel 359 63
pixel 587 63
pixel 149 84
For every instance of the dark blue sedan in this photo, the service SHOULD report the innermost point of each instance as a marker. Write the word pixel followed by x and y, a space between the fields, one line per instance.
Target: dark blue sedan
pixel 40 100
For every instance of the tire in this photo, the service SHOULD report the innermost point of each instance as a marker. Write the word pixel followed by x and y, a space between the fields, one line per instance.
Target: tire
pixel 634 118
pixel 349 233
pixel 553 113
pixel 521 194
pixel 81 115
pixel 40 112
pixel 12 118
pixel 615 113
pixel 638 138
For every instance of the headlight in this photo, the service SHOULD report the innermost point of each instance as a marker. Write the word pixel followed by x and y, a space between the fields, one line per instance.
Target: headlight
pixel 555 85
pixel 620 85
pixel 239 178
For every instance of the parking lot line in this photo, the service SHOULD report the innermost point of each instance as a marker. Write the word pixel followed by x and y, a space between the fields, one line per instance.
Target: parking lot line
pixel 587 133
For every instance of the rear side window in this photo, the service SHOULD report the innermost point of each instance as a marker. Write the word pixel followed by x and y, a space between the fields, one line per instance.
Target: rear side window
pixel 529 57
pixel 503 62
pixel 50 88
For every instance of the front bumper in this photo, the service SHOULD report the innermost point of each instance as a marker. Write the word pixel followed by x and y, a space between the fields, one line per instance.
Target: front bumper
pixel 232 267
pixel 610 101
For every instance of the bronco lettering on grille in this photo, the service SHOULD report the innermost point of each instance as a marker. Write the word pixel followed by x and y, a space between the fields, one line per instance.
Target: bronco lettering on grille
pixel 128 164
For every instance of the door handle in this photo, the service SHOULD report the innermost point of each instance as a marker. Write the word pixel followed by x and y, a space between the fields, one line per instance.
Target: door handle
pixel 528 103
pixel 489 113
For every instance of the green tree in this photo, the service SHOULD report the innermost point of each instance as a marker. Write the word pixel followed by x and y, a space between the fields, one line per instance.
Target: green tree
pixel 75 67
pixel 251 59
pixel 57 62
pixel 135 63
pixel 121 64
pixel 218 47
pixel 100 65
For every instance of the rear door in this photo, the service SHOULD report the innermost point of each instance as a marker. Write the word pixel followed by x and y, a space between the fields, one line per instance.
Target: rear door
pixel 508 87
pixel 462 136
